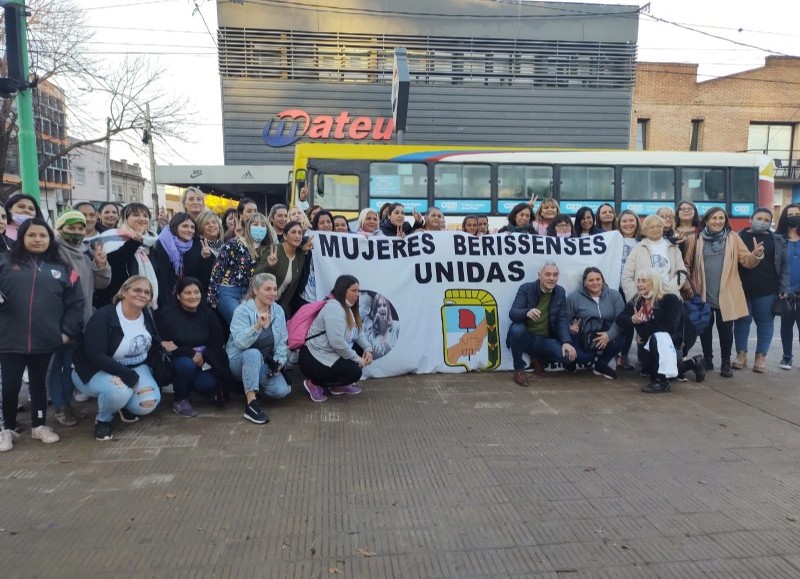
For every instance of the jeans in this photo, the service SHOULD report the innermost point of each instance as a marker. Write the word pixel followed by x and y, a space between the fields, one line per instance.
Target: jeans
pixel 187 377
pixel 544 349
pixel 760 309
pixel 603 356
pixel 141 400
pixel 13 367
pixel 250 368
pixel 230 296
pixel 725 331
pixel 59 377
pixel 787 331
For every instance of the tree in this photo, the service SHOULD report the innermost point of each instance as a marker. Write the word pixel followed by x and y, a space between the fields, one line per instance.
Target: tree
pixel 59 41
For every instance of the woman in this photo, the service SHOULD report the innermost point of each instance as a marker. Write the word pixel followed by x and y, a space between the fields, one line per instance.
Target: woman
pixel 328 359
pixel 229 223
pixel 5 241
pixel 19 208
pixel 367 222
pixel 584 223
pixel 395 224
pixel 323 221
pixel 657 252
pixel 762 285
pixel 193 201
pixel 285 262
pixel 606 217
pixel 519 220
pixel 90 215
pixel 483 224
pixel 593 311
pixel 233 269
pixel 128 252
pixel 173 244
pixel 789 228
pixel 340 224
pixel 716 277
pixel 657 318
pixel 312 212
pixel 193 336
pixel 547 211
pixel 41 311
pixel 560 226
pixel 109 216
pixel 667 215
pixel 434 220
pixel 112 362
pixel 278 217
pixel 470 225
pixel 94 272
pixel 628 226
pixel 258 347
pixel 297 214
pixel 199 260
pixel 686 224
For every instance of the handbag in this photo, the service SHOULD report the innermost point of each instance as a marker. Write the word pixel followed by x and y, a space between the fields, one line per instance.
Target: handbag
pixel 697 311
pixel 160 364
pixel 784 307
pixel 590 327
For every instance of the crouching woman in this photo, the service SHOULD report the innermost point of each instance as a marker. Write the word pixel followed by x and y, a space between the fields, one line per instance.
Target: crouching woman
pixel 112 362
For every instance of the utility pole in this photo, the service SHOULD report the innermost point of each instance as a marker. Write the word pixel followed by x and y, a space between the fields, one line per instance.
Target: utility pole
pixel 148 137
pixel 108 158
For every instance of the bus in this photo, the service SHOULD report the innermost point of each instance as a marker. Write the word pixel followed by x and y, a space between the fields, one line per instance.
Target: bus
pixel 491 180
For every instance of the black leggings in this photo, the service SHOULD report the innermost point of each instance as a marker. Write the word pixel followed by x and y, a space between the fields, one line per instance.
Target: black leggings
pixel 342 373
pixel 725 331
pixel 13 367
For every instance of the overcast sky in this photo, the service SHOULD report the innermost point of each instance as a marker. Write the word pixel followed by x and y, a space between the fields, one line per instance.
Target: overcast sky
pixel 175 35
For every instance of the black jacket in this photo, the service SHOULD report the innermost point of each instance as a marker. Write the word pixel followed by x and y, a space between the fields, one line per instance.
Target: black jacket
pixel 667 317
pixel 123 265
pixel 40 303
pixel 528 296
pixel 194 265
pixel 101 338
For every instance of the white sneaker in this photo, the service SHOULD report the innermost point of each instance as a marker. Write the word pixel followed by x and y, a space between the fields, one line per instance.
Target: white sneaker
pixel 79 396
pixel 45 434
pixel 6 440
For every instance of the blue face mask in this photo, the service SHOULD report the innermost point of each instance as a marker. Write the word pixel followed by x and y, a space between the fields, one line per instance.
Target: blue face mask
pixel 258 233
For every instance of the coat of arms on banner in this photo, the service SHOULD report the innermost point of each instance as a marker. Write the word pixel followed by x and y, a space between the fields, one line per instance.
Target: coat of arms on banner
pixel 470 332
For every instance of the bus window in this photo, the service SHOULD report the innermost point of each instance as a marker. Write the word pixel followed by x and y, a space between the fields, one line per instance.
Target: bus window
pixel 703 185
pixel 341 192
pixel 587 182
pixel 744 185
pixel 398 180
pixel 648 183
pixel 524 181
pixel 453 181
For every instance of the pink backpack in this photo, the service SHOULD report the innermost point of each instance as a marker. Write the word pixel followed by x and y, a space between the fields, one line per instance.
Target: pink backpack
pixel 300 323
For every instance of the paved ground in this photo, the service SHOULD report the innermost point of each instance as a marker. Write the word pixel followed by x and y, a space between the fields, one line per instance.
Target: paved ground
pixel 426 476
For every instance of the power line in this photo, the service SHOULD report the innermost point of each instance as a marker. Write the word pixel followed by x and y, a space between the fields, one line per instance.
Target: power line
pixel 134 29
pixel 200 12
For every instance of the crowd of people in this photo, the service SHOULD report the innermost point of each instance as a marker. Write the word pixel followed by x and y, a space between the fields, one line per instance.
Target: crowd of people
pixel 114 305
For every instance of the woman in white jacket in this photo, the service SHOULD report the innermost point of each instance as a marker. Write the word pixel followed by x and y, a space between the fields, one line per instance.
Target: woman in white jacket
pixel 655 251
pixel 328 358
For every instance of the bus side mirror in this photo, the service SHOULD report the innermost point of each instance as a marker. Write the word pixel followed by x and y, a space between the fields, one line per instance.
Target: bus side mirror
pixel 321 184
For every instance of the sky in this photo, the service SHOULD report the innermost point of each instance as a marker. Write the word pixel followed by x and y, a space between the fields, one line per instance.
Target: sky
pixel 721 36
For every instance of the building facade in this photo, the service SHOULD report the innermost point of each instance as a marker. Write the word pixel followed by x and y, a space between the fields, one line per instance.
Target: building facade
pixel 89 173
pixel 127 183
pixel 756 111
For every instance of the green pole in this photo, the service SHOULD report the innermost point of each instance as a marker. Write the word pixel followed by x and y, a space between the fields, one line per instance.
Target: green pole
pixel 28 160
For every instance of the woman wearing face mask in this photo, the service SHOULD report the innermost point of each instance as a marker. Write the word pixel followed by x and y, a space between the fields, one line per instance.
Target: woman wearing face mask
pixel 367 222
pixel 762 285
pixel 560 226
pixel 286 262
pixel 19 208
pixel 174 242
pixel 585 223
pixel 629 226
pixel 233 270
pixel 606 217
pixel 94 273
pixel 656 252
pixel 547 211
pixel 789 228
pixel 329 359
pixel 718 252
pixel 42 310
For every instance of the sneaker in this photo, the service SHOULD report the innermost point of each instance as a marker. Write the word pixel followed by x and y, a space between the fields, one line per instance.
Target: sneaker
pixel 45 434
pixel 656 387
pixel 521 379
pixel 127 416
pixel 699 368
pixel 605 371
pixel 184 408
pixel 102 430
pixel 79 396
pixel 316 392
pixel 66 416
pixel 7 440
pixel 785 363
pixel 349 389
pixel 254 414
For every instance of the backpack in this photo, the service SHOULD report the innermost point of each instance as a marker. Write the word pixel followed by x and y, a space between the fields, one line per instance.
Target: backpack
pixel 300 323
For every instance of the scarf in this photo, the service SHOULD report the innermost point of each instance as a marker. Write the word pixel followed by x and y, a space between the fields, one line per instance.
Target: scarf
pixel 519 228
pixel 175 248
pixel 715 241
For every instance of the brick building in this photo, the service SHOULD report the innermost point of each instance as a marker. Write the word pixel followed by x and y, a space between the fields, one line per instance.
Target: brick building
pixel 757 110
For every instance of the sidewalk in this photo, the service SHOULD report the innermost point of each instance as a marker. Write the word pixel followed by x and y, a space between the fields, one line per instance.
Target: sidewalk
pixel 426 476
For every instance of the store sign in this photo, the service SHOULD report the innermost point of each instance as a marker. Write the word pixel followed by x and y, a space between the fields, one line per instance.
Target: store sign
pixel 291 125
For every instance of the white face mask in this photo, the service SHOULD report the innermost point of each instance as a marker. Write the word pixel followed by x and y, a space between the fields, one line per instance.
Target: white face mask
pixel 349 303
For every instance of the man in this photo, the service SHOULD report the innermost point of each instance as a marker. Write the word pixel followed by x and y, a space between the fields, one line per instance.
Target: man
pixel 540 326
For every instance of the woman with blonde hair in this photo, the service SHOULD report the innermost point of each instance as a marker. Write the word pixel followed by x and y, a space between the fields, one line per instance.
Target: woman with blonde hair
pixel 655 251
pixel 545 213
pixel 297 214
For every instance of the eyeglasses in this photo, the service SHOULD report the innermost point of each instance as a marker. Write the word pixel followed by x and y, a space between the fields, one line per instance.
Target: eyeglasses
pixel 563 225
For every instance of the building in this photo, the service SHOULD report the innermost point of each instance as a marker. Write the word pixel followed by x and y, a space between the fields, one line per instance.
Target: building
pixel 89 173
pixel 496 73
pixel 127 183
pixel 757 110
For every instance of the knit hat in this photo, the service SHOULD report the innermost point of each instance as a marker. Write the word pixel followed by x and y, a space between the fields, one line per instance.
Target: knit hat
pixel 70 217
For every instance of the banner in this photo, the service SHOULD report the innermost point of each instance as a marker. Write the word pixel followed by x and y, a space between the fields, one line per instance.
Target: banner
pixel 439 302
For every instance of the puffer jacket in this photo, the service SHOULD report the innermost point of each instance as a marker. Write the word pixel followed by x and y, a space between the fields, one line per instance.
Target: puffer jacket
pixel 581 306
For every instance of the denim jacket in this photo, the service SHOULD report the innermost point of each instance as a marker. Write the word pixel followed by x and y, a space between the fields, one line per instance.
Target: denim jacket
pixel 243 332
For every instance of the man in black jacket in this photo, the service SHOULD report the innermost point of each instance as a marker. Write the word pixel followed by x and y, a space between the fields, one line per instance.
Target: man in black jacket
pixel 540 326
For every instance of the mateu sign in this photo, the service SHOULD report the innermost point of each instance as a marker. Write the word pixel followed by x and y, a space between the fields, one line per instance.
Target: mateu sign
pixel 291 125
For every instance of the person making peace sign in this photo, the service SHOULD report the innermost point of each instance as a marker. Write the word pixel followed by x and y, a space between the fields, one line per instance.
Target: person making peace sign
pixel 285 261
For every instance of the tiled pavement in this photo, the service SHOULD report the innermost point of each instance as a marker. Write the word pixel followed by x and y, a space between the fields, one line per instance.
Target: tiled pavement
pixel 426 476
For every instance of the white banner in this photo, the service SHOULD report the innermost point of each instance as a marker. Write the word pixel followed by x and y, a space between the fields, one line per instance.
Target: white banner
pixel 439 302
